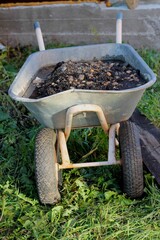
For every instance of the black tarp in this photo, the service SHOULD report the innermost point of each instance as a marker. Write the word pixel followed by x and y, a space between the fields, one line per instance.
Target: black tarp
pixel 150 143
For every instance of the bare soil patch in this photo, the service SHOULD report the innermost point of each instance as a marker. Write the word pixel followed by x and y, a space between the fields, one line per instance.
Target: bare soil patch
pixel 91 75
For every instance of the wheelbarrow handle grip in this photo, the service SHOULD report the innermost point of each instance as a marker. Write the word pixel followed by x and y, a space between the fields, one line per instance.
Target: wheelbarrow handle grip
pixel 39 36
pixel 119 28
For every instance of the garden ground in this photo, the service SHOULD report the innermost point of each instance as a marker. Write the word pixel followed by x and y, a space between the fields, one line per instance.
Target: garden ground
pixel 93 205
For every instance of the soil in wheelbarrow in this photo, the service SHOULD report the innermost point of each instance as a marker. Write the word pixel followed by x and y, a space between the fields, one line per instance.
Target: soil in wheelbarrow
pixel 93 75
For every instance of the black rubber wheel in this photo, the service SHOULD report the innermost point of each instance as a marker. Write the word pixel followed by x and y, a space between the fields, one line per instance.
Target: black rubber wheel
pixel 45 163
pixel 132 165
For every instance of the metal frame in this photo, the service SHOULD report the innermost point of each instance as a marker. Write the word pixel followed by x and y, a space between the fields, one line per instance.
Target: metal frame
pixel 62 137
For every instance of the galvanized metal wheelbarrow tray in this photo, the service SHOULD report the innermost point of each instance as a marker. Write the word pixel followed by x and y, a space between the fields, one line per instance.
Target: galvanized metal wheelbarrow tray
pixel 77 108
pixel 51 111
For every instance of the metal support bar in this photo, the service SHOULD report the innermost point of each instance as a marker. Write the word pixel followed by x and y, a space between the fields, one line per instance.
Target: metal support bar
pixel 89 164
pixel 63 148
pixel 112 142
pixel 84 108
pixel 63 137
pixel 66 164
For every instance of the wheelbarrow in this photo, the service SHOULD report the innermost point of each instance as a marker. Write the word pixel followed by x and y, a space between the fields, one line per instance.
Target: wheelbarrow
pixel 79 108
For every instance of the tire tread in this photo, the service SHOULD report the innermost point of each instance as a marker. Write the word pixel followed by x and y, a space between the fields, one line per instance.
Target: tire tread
pixel 132 164
pixel 47 183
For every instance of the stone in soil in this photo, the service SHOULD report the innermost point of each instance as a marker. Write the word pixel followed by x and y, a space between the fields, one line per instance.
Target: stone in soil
pixel 92 75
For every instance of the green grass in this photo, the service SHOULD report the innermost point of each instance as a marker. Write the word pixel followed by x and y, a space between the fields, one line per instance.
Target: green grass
pixel 150 103
pixel 93 205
